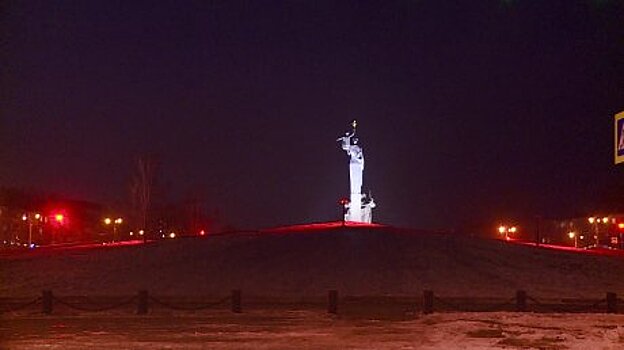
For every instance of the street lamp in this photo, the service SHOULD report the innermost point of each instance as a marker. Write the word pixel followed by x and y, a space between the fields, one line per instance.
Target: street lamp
pixel 503 231
pixel 573 235
pixel 115 223
pixel 59 218
pixel 620 234
pixel 506 230
pixel 595 221
pixel 31 218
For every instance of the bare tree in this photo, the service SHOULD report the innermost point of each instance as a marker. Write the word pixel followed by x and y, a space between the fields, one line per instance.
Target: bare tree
pixel 142 188
pixel 194 209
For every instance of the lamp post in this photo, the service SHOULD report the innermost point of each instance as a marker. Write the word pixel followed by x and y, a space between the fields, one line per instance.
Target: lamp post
pixel 115 223
pixel 595 221
pixel 574 236
pixel 31 218
pixel 506 230
pixel 537 230
pixel 592 222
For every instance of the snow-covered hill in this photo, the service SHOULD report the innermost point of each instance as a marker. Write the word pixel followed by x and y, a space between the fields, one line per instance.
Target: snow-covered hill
pixel 355 261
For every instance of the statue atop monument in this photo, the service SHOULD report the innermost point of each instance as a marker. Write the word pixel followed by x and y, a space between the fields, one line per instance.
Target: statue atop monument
pixel 357 211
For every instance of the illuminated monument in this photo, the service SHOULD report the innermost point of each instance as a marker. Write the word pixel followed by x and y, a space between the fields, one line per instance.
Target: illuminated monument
pixel 360 207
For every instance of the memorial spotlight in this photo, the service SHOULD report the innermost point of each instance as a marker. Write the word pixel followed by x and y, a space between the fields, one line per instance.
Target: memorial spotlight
pixel 344 205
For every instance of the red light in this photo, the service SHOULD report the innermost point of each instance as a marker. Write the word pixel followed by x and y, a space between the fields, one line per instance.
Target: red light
pixel 202 232
pixel 621 225
pixel 59 218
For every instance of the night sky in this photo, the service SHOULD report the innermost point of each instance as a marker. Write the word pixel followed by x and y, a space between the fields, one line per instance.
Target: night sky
pixel 467 110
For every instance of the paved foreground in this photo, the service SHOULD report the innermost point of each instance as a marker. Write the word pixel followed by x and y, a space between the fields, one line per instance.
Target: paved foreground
pixel 313 330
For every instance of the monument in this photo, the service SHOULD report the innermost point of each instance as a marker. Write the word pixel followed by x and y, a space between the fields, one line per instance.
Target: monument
pixel 360 206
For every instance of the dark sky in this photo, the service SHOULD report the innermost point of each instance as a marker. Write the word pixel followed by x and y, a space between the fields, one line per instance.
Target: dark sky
pixel 467 110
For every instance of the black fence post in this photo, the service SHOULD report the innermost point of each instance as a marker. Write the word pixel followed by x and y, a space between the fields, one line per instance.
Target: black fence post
pixel 428 302
pixel 142 303
pixel 46 299
pixel 236 301
pixel 521 301
pixel 332 301
pixel 611 303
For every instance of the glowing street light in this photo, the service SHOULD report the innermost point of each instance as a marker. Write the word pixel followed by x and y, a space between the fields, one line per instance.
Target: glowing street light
pixel 621 234
pixel 506 230
pixel 59 218
pixel 115 223
pixel 595 221
pixel 31 218
pixel 573 236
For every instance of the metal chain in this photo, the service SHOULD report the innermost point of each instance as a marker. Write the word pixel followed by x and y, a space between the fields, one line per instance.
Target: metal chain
pixel 22 306
pixel 559 308
pixel 105 308
pixel 188 308
pixel 446 303
pixel 490 308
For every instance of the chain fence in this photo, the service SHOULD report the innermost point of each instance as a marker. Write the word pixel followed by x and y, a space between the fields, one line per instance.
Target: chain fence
pixel 80 307
pixel 12 307
pixel 189 308
pixel 567 307
pixel 448 304
pixel 144 302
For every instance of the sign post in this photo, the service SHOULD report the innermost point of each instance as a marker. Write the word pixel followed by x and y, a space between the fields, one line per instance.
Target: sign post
pixel 618 139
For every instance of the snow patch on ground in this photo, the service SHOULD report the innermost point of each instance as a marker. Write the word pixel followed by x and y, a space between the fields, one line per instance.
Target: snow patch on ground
pixel 266 329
